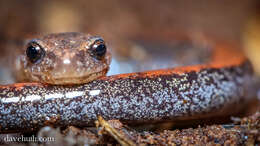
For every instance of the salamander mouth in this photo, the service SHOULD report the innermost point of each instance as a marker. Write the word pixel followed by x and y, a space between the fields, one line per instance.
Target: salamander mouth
pixel 75 79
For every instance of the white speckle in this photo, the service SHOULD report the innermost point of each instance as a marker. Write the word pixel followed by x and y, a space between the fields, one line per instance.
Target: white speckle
pixel 8 100
pixel 47 118
pixel 31 98
pixel 94 92
pixel 53 96
pixel 66 61
pixel 74 94
pixel 79 63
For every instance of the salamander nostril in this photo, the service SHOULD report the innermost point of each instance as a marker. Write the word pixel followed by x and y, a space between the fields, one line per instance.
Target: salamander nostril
pixel 34 53
pixel 99 49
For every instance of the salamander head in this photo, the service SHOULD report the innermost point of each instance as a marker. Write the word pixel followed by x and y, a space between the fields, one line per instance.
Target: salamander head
pixel 64 58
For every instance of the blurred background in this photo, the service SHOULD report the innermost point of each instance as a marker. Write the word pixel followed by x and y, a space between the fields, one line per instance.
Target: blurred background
pixel 118 21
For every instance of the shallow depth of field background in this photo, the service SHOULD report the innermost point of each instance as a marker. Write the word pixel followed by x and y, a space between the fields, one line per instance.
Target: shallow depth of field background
pixel 235 21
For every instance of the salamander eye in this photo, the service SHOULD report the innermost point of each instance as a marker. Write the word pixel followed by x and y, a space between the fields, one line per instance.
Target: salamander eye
pixel 35 52
pixel 98 49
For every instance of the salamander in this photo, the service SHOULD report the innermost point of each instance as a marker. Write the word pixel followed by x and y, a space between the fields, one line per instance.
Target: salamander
pixel 218 87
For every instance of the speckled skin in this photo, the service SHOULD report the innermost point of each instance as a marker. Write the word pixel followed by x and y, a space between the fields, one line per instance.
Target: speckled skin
pixel 220 87
pixel 67 60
